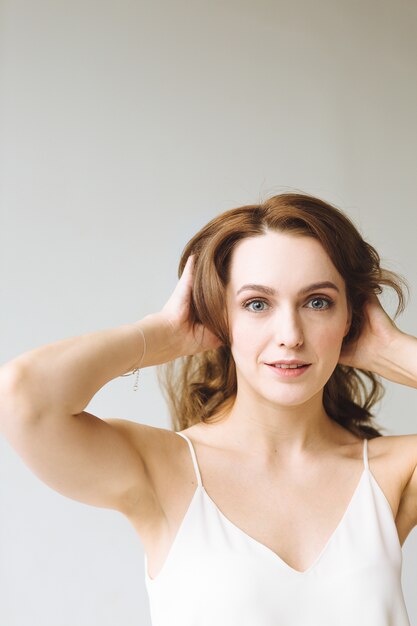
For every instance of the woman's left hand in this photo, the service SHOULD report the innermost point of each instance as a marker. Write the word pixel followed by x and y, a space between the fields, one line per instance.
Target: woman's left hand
pixel 377 334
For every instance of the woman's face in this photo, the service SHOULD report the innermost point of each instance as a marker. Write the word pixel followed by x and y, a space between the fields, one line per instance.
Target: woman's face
pixel 276 314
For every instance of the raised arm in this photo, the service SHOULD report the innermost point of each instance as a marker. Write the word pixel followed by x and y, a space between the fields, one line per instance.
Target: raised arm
pixel 44 393
pixel 43 396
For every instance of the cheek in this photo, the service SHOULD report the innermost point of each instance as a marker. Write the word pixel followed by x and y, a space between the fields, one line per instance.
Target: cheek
pixel 243 342
pixel 329 335
pixel 332 334
pixel 246 344
pixel 328 344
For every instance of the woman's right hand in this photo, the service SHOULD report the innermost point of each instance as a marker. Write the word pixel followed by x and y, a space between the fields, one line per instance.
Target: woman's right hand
pixel 192 338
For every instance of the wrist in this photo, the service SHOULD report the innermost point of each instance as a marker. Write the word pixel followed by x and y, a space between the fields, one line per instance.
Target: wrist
pixel 398 361
pixel 161 342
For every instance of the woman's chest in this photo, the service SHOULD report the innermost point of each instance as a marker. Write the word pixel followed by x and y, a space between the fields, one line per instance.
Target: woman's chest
pixel 293 515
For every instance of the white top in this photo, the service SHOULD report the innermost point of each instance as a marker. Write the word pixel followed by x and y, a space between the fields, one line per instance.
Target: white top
pixel 217 575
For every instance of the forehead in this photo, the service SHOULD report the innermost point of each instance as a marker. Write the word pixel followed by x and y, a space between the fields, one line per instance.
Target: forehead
pixel 281 260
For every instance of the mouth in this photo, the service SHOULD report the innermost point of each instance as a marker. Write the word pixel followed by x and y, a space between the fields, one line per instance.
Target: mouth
pixel 289 363
pixel 289 371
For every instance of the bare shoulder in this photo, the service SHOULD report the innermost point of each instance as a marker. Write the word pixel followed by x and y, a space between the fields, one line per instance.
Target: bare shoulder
pixel 156 446
pixel 396 454
pixel 403 449
pixel 394 443
pixel 168 484
pixel 140 435
pixel 161 450
pixel 395 458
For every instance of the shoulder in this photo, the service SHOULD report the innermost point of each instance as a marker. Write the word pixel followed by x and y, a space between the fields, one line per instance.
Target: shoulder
pixel 398 454
pixel 147 440
pixel 401 448
pixel 404 450
pixel 161 449
pixel 139 435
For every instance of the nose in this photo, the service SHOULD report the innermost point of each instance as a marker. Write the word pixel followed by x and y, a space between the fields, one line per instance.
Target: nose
pixel 288 328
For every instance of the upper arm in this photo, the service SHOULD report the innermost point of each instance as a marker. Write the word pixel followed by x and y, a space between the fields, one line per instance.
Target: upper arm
pixel 83 457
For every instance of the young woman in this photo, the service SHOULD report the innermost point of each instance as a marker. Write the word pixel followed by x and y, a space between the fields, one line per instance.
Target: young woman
pixel 275 499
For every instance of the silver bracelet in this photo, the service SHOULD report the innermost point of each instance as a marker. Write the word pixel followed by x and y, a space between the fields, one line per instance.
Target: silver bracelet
pixel 137 369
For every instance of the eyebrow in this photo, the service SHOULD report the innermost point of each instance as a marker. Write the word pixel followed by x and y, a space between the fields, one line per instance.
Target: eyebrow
pixel 272 292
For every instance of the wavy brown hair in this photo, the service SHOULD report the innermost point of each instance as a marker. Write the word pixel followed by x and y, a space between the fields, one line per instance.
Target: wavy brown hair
pixel 202 387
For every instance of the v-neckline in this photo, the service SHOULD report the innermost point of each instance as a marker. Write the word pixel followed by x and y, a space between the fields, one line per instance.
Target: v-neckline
pixel 273 554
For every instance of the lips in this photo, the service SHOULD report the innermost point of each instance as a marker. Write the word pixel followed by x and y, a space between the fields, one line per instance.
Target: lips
pixel 288 367
pixel 289 373
pixel 289 362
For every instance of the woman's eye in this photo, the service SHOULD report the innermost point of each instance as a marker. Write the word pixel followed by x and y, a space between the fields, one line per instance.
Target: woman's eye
pixel 327 305
pixel 249 302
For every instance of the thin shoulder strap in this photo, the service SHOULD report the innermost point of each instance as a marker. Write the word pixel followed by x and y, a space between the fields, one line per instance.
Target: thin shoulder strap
pixel 194 458
pixel 365 454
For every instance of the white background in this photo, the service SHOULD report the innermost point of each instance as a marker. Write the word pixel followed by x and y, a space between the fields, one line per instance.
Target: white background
pixel 125 127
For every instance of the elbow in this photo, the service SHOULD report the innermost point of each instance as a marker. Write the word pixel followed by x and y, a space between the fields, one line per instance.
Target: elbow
pixel 12 376
pixel 15 401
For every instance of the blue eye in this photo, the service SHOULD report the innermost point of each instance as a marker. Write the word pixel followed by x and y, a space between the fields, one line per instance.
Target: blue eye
pixel 322 308
pixel 246 305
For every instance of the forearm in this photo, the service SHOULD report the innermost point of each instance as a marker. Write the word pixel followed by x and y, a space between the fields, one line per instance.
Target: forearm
pixel 398 362
pixel 65 375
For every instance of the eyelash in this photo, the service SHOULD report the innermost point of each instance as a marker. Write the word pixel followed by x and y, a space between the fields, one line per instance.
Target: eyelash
pixel 328 300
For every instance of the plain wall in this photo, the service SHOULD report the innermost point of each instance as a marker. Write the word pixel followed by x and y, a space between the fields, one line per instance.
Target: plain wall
pixel 126 126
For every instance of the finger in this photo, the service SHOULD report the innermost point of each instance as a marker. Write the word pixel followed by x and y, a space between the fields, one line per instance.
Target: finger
pixel 188 268
pixel 186 279
pixel 182 291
